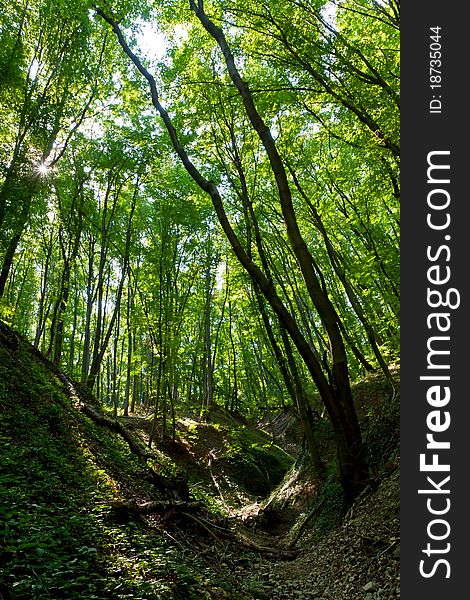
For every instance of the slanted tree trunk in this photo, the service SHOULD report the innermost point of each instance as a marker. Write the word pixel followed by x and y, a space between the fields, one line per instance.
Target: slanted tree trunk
pixel 337 394
pixel 15 240
pixel 336 263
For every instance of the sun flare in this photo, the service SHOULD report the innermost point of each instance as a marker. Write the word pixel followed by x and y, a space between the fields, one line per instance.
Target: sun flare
pixel 42 170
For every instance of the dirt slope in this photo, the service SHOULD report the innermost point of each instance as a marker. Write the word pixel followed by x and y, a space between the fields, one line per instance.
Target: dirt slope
pixel 72 525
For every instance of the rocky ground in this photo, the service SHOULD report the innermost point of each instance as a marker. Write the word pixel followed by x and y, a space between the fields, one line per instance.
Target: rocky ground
pixel 357 561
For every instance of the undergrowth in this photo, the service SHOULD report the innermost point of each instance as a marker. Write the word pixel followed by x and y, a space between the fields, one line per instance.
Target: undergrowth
pixel 58 538
pixel 59 472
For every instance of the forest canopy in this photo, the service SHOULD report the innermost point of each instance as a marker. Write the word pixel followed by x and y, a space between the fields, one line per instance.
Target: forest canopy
pixel 199 203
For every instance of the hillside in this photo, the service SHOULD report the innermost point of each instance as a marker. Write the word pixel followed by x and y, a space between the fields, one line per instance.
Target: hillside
pixel 87 511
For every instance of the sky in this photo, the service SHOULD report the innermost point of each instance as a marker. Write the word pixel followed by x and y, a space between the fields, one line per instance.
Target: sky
pixel 151 42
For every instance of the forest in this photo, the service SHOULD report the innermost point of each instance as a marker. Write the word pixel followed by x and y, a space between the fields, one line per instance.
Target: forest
pixel 199 255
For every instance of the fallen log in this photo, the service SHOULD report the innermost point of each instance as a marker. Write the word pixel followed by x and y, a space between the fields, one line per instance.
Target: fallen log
pixel 176 486
pixel 115 426
pixel 125 510
pixel 286 554
pixel 302 525
pixel 152 506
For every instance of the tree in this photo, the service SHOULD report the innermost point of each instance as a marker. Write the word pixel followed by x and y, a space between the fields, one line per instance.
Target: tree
pixel 337 395
pixel 259 266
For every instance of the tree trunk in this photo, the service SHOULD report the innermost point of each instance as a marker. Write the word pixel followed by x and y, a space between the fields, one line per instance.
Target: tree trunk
pixel 337 397
pixel 88 312
pixel 41 319
pixel 57 331
pixel 207 357
pixel 14 241
pixel 99 352
pixel 127 392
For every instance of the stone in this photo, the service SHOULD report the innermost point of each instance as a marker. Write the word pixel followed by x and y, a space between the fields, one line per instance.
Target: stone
pixel 369 587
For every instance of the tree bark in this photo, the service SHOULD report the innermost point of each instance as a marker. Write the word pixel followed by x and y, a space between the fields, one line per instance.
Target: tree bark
pixel 14 241
pixel 337 397
pixel 99 353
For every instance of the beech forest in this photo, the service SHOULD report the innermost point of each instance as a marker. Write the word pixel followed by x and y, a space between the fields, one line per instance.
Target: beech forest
pixel 199 299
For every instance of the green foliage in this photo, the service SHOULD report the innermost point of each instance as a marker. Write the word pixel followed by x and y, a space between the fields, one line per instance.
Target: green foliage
pixel 112 258
pixel 258 465
pixel 58 537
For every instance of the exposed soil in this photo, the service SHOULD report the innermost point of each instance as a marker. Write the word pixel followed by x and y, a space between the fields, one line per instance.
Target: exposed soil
pixel 78 482
pixel 357 560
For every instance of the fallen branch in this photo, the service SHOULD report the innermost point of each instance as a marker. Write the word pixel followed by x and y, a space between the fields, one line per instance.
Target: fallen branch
pixel 201 524
pixel 176 486
pixel 103 420
pixel 241 539
pixel 115 426
pixel 379 555
pixel 296 537
pixel 152 506
pixel 210 456
pixel 280 552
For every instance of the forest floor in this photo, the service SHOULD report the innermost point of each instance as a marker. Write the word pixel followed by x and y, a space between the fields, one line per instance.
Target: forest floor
pixel 356 558
pixel 73 498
